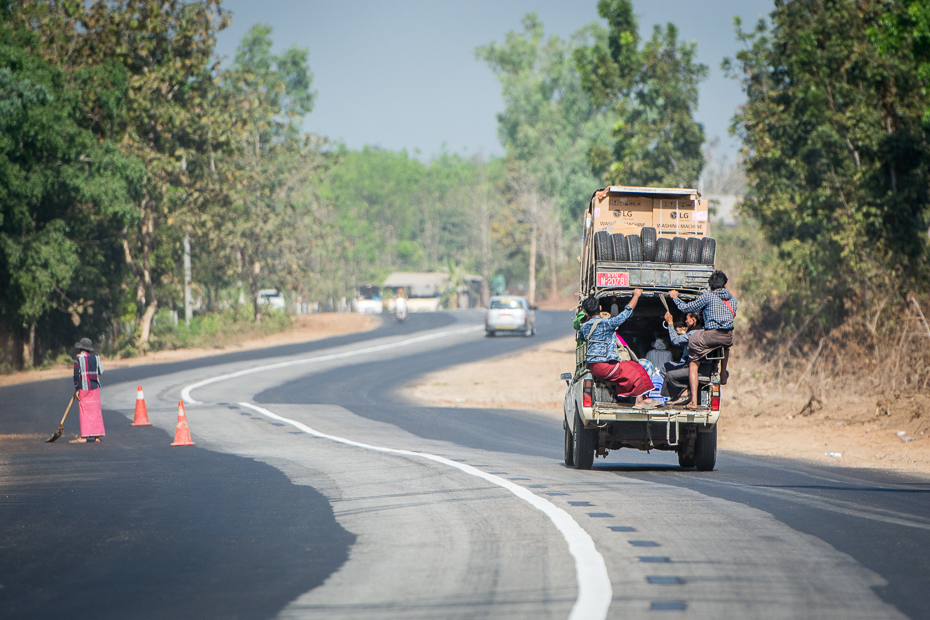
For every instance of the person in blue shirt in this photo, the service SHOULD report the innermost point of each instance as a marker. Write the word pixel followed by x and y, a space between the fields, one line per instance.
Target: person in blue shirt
pixel 603 356
pixel 677 374
pixel 718 307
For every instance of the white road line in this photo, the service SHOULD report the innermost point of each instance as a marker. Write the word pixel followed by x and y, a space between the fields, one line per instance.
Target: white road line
pixel 186 392
pixel 594 590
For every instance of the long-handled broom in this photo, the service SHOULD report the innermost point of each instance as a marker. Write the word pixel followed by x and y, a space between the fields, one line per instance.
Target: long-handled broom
pixel 62 425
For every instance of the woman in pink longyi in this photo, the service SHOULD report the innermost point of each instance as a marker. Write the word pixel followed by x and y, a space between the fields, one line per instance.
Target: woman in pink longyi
pixel 87 371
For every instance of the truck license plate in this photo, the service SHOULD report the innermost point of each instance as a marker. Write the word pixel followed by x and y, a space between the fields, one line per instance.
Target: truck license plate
pixel 612 279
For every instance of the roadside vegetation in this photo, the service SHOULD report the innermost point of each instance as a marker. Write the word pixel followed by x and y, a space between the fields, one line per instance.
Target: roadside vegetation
pixel 124 139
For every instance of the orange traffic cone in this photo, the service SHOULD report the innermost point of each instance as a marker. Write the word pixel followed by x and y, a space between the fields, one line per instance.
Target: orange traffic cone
pixel 182 434
pixel 142 415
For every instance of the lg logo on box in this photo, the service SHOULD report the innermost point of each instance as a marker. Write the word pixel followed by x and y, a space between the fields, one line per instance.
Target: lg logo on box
pixel 681 215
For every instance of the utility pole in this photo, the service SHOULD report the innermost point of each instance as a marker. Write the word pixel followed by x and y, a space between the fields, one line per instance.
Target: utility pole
pixel 188 302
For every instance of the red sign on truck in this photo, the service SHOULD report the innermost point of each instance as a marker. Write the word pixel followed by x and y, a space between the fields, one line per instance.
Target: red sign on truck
pixel 613 279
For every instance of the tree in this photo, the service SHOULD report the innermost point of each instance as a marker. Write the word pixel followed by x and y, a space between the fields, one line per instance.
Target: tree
pixel 653 91
pixel 546 128
pixel 58 186
pixel 836 156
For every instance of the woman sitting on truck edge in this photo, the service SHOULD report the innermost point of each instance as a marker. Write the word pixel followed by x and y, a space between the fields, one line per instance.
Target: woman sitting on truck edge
pixel 603 358
pixel 719 309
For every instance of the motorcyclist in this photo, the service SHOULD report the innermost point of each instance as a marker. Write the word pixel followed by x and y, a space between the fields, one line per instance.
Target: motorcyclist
pixel 400 306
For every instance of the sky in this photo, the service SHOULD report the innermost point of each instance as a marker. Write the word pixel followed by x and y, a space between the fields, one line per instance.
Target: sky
pixel 402 74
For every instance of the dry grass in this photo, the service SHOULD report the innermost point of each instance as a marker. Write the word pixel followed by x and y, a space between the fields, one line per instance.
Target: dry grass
pixel 768 407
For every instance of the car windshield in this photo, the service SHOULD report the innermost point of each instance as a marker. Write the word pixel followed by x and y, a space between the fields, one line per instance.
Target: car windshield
pixel 506 304
pixel 369 292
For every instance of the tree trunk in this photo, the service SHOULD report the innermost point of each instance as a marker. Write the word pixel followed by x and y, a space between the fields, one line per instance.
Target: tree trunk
pixel 188 301
pixel 534 230
pixel 29 347
pixel 253 288
pixel 554 264
pixel 485 242
pixel 151 304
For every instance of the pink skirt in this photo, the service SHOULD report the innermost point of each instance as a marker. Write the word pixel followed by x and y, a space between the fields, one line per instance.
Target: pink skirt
pixel 91 414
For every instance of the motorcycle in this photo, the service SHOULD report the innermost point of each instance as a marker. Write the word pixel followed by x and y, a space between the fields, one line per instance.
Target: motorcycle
pixel 400 313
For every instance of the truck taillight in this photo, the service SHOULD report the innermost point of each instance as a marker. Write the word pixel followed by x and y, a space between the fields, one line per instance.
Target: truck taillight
pixel 715 403
pixel 586 395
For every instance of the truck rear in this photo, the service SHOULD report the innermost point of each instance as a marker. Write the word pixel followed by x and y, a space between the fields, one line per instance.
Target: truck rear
pixel 657 240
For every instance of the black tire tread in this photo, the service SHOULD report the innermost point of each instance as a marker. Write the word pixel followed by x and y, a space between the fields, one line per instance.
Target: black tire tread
pixel 678 250
pixel 621 253
pixel 584 445
pixel 648 236
pixel 603 247
pixel 693 251
pixel 663 250
pixel 636 248
pixel 705 450
pixel 708 250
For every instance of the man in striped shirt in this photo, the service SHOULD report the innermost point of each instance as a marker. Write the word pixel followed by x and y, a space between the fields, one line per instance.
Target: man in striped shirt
pixel 718 306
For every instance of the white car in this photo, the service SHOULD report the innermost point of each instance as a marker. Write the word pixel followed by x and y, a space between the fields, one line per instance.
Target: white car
pixel 510 314
pixel 271 297
pixel 368 300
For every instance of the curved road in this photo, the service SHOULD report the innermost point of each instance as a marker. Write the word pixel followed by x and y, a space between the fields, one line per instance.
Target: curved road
pixel 289 505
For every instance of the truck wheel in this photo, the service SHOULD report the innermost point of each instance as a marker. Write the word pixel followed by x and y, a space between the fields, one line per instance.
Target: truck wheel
pixel 569 448
pixel 686 459
pixel 663 250
pixel 705 450
pixel 583 447
pixel 636 248
pixel 693 251
pixel 603 247
pixel 490 334
pixel 621 248
pixel 678 250
pixel 648 235
pixel 708 249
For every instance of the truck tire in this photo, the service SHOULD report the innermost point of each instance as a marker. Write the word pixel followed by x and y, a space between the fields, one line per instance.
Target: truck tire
pixel 648 235
pixel 686 459
pixel 583 444
pixel 693 251
pixel 705 450
pixel 636 248
pixel 621 249
pixel 569 447
pixel 663 250
pixel 708 249
pixel 678 250
pixel 603 247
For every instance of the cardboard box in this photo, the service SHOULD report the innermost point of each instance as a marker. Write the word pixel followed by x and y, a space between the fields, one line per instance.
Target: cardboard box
pixel 622 214
pixel 682 218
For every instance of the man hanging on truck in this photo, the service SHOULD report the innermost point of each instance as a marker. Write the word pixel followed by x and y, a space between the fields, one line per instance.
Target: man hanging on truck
pixel 603 357
pixel 718 306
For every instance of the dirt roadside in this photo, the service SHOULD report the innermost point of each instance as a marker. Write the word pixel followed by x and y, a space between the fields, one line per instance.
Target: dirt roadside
pixel 759 415
pixel 305 328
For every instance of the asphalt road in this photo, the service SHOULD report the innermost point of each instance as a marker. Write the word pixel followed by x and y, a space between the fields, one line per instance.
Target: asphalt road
pixel 271 516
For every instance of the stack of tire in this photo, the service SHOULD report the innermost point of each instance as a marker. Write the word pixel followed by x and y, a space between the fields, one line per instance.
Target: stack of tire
pixel 645 246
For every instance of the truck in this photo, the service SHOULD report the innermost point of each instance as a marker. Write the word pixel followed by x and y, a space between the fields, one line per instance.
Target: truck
pixel 658 240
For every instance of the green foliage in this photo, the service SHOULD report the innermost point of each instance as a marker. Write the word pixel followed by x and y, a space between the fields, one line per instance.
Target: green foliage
pixel 548 125
pixel 211 330
pixel 836 156
pixel 653 93
pixel 902 28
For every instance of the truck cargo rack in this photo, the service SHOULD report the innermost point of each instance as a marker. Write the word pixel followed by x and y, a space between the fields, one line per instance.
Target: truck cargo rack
pixel 687 278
